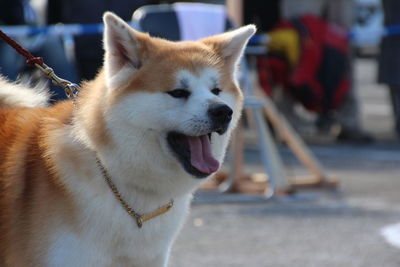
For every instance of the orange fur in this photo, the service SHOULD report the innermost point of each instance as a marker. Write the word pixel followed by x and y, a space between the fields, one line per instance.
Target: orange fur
pixel 30 190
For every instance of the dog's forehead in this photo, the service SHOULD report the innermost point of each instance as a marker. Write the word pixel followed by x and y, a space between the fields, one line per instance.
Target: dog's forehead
pixel 202 77
pixel 181 65
pixel 189 54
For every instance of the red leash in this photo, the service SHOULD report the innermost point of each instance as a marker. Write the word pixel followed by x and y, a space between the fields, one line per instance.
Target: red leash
pixel 71 89
pixel 30 59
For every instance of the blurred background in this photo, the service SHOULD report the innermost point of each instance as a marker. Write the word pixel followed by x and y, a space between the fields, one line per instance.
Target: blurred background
pixel 313 175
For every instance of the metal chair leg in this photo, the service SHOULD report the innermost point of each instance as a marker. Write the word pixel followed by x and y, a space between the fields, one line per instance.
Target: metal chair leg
pixel 269 155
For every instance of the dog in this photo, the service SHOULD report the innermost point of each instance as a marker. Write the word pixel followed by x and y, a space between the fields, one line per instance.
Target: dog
pixel 107 180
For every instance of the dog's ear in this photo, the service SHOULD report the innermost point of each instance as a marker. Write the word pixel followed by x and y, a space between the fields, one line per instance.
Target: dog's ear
pixel 230 45
pixel 125 50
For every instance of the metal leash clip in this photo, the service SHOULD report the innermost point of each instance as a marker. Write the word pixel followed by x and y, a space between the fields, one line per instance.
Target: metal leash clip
pixel 71 89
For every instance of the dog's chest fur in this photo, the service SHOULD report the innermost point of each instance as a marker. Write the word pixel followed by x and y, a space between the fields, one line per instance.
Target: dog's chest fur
pixel 107 236
pixel 104 233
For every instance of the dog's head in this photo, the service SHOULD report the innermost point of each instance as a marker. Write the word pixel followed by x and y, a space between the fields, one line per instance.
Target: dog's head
pixel 175 102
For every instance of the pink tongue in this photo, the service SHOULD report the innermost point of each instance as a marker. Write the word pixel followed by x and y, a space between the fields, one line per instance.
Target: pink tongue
pixel 200 154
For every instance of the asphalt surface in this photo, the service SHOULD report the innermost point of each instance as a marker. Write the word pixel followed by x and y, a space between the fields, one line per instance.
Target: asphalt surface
pixel 341 228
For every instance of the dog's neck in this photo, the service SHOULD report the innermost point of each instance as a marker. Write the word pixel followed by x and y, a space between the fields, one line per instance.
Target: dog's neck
pixel 87 174
pixel 140 184
pixel 134 167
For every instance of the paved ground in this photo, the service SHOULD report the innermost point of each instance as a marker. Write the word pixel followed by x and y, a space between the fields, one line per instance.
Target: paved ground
pixel 330 229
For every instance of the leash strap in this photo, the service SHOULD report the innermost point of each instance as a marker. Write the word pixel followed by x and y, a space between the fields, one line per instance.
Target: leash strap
pixel 71 89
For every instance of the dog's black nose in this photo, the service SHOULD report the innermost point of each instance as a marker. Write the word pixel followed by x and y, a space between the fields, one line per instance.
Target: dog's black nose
pixel 220 114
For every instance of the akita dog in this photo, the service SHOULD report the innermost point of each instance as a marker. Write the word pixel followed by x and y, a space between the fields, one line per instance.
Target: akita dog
pixel 107 180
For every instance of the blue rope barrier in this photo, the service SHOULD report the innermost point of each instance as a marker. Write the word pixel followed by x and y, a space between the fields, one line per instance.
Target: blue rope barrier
pixel 88 29
pixel 58 29
pixel 392 30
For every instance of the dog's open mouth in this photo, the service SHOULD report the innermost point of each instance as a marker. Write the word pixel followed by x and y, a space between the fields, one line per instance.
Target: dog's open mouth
pixel 194 153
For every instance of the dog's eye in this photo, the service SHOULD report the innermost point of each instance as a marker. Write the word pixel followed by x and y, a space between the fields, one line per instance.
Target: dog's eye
pixel 179 93
pixel 216 91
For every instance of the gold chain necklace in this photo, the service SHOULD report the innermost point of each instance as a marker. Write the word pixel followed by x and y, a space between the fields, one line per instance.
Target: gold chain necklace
pixel 139 218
